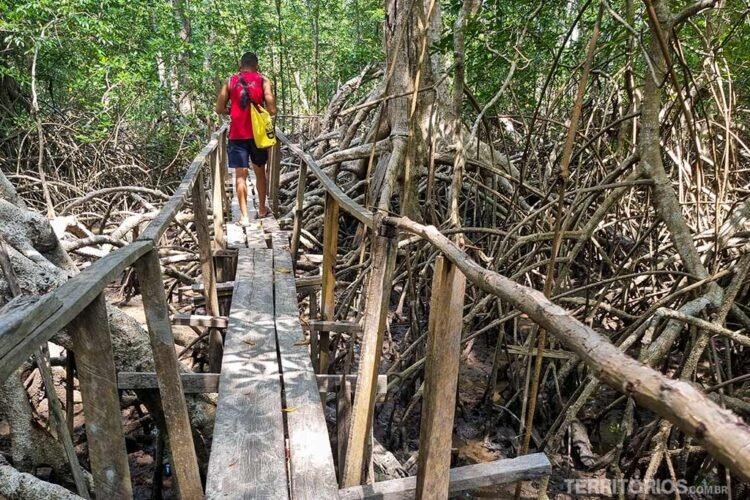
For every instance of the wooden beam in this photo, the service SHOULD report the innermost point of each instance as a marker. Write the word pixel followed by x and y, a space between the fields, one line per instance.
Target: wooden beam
pixel 376 310
pixel 335 326
pixel 200 320
pixel 196 383
pixel 441 380
pixel 328 293
pixel 275 161
pixel 218 196
pixel 298 206
pixel 311 471
pixel 168 374
pixel 469 477
pixel 95 363
pixel 208 273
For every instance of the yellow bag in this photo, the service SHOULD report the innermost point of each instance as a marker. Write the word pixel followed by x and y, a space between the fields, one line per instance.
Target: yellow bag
pixel 263 131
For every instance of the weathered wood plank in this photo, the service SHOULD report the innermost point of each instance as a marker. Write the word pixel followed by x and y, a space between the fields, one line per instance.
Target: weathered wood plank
pixel 196 383
pixel 441 380
pixel 192 383
pixel 224 288
pixel 310 282
pixel 247 456
pixel 298 205
pixel 168 375
pixel 336 326
pixel 328 292
pixel 95 364
pixel 200 320
pixel 349 205
pixel 275 162
pixel 20 316
pixel 312 474
pixel 236 235
pixel 208 273
pixel 218 196
pixel 255 236
pixel 465 478
pixel 75 294
pixel 376 309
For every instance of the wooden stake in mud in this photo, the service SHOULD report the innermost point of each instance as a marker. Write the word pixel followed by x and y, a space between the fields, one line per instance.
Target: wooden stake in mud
pixel 215 345
pixel 168 375
pixel 328 298
pixel 441 380
pixel 376 311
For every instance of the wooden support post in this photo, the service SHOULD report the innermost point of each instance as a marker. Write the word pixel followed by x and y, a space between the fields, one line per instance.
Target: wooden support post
pixel 328 297
pixel 95 365
pixel 441 380
pixel 314 347
pixel 168 374
pixel 275 176
pixel 57 416
pixel 297 228
pixel 215 344
pixel 376 311
pixel 218 200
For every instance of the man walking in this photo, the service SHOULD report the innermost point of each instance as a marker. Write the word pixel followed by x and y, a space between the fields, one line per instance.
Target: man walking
pixel 242 90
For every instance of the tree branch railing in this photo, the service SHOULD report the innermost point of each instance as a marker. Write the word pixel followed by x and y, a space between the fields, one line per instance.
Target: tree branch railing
pixel 78 306
pixel 723 434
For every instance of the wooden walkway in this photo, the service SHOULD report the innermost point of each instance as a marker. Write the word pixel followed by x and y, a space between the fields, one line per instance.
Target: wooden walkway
pixel 270 435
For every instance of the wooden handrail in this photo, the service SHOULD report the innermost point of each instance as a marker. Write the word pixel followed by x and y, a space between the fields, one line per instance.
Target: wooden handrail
pixel 345 202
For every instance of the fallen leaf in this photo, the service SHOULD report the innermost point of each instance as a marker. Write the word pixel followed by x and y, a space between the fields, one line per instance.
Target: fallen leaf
pixel 249 342
pixel 291 408
pixel 284 270
pixel 302 342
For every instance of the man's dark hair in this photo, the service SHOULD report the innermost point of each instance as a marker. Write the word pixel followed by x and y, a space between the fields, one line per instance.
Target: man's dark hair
pixel 249 59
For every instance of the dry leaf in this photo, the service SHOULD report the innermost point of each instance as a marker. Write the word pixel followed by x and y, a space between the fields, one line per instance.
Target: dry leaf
pixel 284 270
pixel 302 342
pixel 249 342
pixel 291 408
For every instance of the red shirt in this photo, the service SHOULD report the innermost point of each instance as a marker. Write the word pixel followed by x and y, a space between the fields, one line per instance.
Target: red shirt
pixel 241 126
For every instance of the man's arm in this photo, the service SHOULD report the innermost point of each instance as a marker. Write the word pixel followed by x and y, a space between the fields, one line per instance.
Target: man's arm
pixel 268 96
pixel 222 99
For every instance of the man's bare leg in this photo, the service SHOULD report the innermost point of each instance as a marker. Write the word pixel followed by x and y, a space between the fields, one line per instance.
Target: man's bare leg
pixel 262 187
pixel 241 188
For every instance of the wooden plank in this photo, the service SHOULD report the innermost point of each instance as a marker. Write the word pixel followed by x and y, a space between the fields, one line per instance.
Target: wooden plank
pixel 236 236
pixel 218 197
pixel 311 471
pixel 275 160
pixel 75 294
pixel 160 223
pixel 298 206
pixel 20 316
pixel 465 478
pixel 224 288
pixel 336 326
pixel 95 364
pixel 328 292
pixel 168 374
pixel 196 383
pixel 208 273
pixel 57 416
pixel 376 310
pixel 192 383
pixel 280 240
pixel 309 282
pixel 255 236
pixel 441 380
pixel 247 455
pixel 350 206
pixel 200 320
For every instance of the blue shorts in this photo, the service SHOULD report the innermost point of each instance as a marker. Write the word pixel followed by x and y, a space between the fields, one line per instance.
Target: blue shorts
pixel 240 150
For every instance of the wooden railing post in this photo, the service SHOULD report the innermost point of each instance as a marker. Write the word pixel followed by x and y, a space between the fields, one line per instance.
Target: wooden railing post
pixel 168 375
pixel 376 311
pixel 101 403
pixel 217 198
pixel 441 380
pixel 275 176
pixel 328 297
pixel 215 344
pixel 297 229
